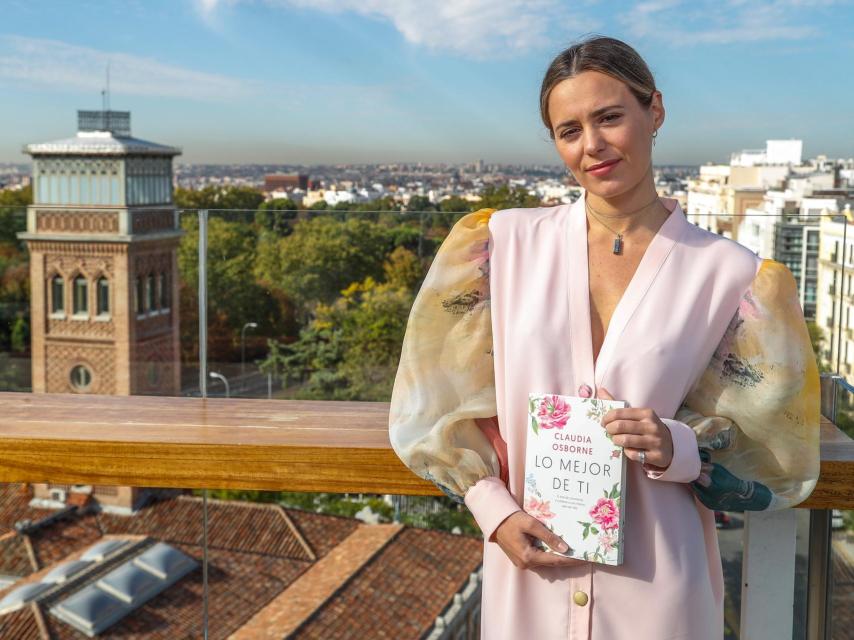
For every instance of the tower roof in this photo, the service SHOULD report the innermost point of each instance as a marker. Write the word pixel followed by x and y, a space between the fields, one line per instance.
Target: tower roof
pixel 100 143
pixel 102 133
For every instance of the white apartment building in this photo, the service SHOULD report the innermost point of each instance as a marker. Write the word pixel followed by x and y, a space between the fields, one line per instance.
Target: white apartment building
pixel 836 291
pixel 706 196
pixel 721 195
pixel 776 152
pixel 785 228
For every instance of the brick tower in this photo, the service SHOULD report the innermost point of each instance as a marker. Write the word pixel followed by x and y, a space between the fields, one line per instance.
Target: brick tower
pixel 103 235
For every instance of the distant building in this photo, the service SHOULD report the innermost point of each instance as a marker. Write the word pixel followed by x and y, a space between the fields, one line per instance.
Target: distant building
pixel 835 297
pixel 719 197
pixel 103 234
pixel 286 181
pixel 776 152
pixel 764 200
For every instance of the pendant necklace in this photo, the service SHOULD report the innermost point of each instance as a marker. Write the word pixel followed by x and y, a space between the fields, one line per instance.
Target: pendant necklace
pixel 618 240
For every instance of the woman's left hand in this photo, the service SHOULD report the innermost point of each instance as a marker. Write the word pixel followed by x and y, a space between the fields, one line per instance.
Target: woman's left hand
pixel 638 430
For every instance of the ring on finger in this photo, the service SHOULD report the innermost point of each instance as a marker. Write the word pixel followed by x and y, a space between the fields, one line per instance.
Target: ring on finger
pixel 642 457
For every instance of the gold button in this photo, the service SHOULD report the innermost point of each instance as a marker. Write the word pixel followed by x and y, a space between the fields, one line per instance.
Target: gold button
pixel 580 598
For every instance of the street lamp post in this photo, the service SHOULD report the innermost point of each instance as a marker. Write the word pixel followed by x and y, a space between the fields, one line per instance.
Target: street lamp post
pixel 248 325
pixel 219 376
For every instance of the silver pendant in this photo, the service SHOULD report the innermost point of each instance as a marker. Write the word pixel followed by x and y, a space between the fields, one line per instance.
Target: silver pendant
pixel 618 245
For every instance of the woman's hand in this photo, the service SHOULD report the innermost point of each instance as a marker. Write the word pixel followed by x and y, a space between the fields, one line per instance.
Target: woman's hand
pixel 638 430
pixel 515 536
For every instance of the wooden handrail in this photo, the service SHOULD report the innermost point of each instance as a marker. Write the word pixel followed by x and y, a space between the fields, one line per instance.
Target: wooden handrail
pixel 239 443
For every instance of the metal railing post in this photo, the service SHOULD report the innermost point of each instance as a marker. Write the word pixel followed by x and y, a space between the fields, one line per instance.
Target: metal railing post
pixel 203 303
pixel 819 576
pixel 203 390
pixel 819 572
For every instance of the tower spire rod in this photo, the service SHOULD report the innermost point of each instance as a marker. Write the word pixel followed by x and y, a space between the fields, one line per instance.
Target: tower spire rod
pixel 105 93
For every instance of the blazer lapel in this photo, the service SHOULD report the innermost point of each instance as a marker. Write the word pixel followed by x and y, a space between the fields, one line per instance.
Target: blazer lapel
pixel 651 263
pixel 581 339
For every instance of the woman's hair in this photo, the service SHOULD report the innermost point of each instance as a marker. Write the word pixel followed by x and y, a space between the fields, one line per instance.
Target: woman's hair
pixel 603 54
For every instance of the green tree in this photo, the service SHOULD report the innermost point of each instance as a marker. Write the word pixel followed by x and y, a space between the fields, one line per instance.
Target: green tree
pixel 14 299
pixel 818 339
pixel 234 297
pixel 20 338
pixel 277 215
pixel 321 257
pixel 372 320
pixel 403 269
pixel 350 350
pixel 420 203
pixel 504 197
pixel 16 197
pixel 216 197
pixel 455 204
pixel 13 213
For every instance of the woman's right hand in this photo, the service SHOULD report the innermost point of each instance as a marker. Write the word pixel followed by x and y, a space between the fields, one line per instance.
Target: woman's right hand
pixel 515 536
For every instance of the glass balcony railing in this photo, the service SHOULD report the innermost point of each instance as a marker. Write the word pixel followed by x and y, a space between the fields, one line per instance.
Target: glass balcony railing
pixel 235 367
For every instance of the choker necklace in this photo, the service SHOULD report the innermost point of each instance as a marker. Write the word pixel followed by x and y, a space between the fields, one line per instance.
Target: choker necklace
pixel 618 240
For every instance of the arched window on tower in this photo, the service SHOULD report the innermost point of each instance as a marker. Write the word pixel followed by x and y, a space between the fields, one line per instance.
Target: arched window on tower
pixel 163 291
pixel 57 295
pixel 149 293
pixel 80 296
pixel 103 297
pixel 137 285
pixel 158 290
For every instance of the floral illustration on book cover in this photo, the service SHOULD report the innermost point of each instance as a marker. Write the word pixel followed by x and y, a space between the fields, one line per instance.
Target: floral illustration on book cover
pixel 574 474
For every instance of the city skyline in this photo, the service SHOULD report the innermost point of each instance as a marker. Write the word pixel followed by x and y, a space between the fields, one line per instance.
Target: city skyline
pixel 335 81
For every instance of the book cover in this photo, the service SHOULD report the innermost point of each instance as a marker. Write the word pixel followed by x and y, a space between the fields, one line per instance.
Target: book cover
pixel 575 475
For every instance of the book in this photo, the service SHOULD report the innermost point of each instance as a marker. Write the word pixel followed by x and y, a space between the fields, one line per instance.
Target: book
pixel 575 476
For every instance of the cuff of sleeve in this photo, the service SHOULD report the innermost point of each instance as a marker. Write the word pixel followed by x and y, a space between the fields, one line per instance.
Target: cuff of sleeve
pixel 490 503
pixel 685 466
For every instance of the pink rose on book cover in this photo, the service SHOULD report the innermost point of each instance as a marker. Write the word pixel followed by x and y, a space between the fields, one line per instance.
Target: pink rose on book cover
pixel 553 412
pixel 539 509
pixel 607 541
pixel 606 514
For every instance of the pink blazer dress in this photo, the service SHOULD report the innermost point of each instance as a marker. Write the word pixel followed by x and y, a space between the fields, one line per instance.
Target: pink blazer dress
pixel 686 291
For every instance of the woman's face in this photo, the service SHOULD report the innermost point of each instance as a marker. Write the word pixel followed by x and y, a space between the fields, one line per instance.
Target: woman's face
pixel 595 118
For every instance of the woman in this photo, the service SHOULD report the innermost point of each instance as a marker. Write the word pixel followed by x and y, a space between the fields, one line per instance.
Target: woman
pixel 616 295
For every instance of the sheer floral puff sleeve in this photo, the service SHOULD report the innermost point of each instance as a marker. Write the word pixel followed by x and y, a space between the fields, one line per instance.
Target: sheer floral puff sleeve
pixel 755 409
pixel 442 414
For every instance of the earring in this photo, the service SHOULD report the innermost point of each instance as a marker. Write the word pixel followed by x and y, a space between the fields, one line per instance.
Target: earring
pixel 654 135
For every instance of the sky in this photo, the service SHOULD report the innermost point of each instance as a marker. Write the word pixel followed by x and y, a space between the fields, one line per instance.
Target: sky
pixel 350 81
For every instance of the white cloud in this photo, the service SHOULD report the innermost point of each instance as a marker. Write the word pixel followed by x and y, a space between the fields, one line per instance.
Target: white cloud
pixel 210 12
pixel 503 28
pixel 51 63
pixel 472 28
pixel 708 22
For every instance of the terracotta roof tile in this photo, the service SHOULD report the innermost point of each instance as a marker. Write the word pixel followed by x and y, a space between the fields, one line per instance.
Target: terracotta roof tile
pixel 237 526
pixel 55 542
pixel 401 591
pixel 22 625
pixel 14 557
pixel 14 506
pixel 319 583
pixel 323 531
pixel 256 552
